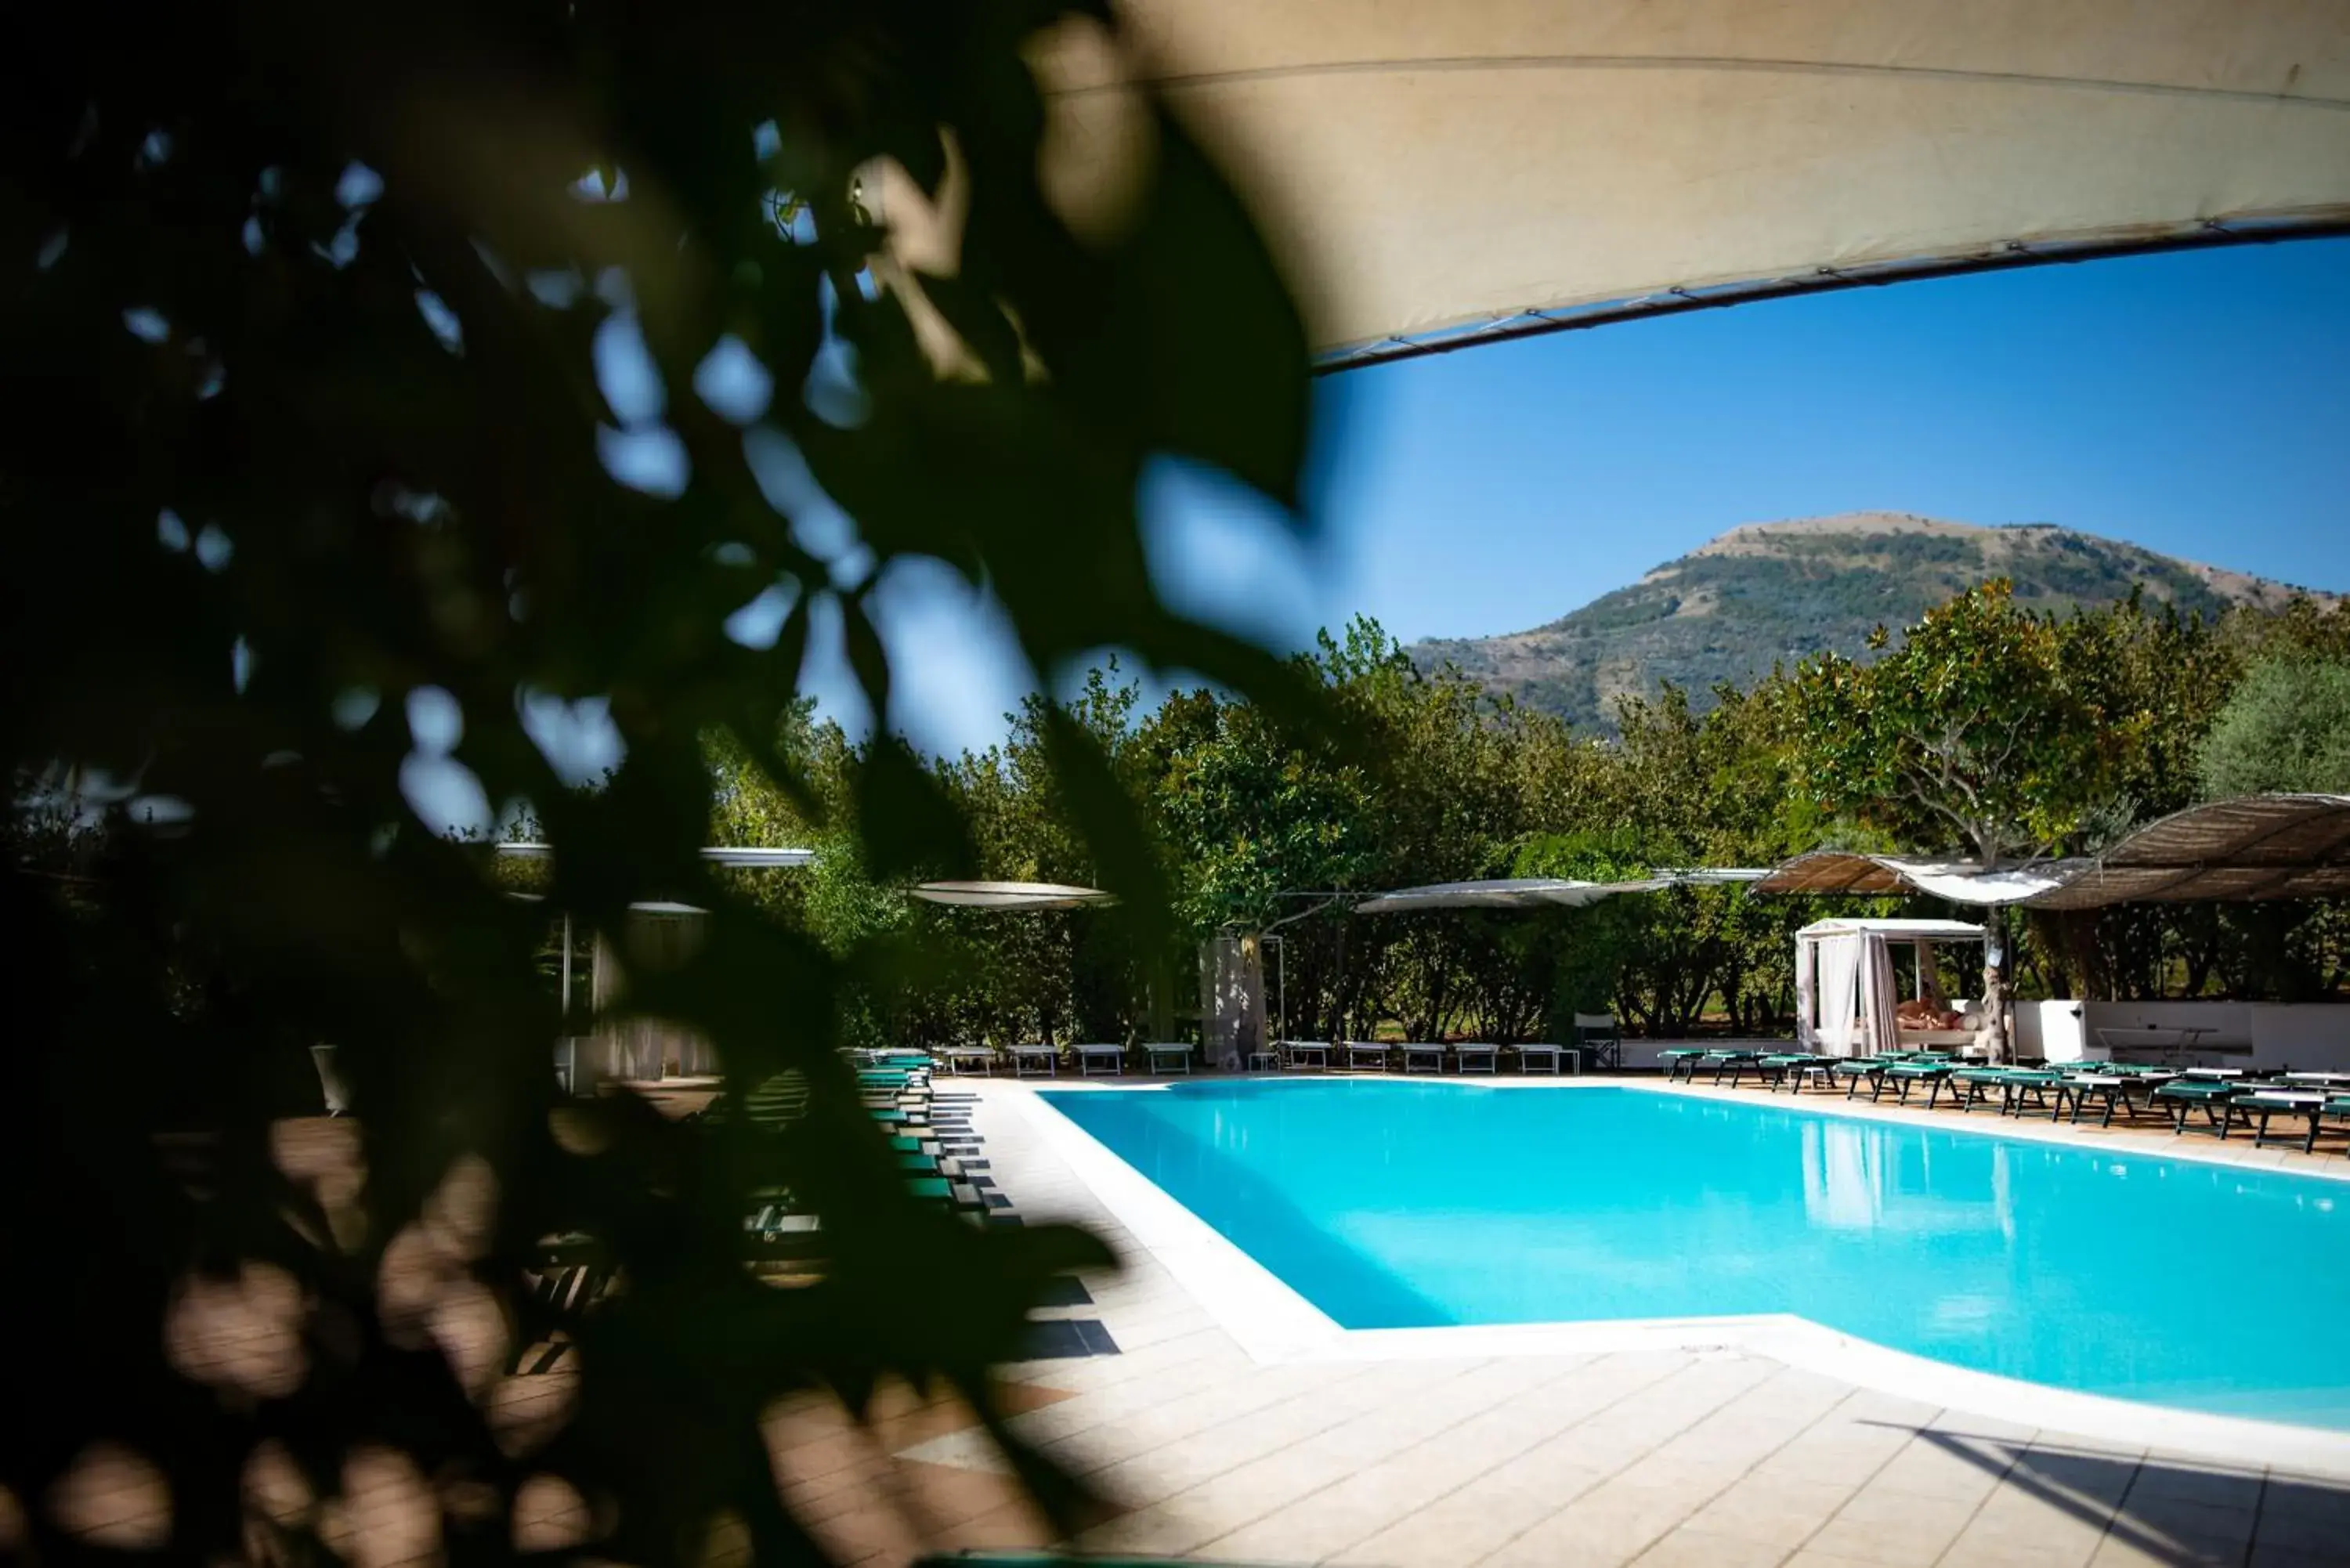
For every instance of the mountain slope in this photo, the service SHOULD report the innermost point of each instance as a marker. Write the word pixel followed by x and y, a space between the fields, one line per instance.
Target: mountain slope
pixel 1767 592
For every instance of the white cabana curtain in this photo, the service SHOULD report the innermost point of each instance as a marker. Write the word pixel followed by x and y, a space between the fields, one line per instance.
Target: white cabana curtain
pixel 1807 963
pixel 1879 994
pixel 1840 958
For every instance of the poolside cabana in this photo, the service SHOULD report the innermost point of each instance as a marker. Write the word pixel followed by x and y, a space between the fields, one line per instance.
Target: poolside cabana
pixel 1847 987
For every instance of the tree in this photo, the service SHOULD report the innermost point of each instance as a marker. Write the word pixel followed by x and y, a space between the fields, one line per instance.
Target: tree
pixel 458 365
pixel 2286 728
pixel 1978 734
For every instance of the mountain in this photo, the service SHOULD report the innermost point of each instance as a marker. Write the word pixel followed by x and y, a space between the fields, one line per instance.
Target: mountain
pixel 1767 592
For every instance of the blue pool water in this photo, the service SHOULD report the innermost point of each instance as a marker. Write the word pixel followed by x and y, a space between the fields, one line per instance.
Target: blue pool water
pixel 1393 1205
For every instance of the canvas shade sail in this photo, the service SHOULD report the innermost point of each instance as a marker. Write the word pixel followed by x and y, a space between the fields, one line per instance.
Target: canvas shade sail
pixel 1502 893
pixel 1541 892
pixel 1010 895
pixel 1472 166
pixel 739 857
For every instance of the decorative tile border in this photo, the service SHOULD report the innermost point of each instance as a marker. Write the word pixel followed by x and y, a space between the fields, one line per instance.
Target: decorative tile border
pixel 1273 1323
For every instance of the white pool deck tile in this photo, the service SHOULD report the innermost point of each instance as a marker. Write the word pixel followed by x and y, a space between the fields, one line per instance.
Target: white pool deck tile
pixel 1649 1454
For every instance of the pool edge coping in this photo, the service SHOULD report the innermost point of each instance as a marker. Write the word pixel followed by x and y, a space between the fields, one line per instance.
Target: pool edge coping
pixel 1275 1324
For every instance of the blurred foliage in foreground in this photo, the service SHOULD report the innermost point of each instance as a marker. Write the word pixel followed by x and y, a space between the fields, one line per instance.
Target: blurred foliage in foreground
pixel 314 492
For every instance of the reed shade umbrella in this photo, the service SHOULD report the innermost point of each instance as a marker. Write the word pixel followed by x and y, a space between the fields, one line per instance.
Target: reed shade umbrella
pixel 1440 173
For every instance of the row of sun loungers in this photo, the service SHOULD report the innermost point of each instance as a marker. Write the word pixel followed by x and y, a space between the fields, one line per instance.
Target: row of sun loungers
pixel 931 1138
pixel 1095 1061
pixel 2226 1099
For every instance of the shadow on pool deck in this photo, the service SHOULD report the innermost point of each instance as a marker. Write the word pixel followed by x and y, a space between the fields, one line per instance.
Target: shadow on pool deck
pixel 2158 1510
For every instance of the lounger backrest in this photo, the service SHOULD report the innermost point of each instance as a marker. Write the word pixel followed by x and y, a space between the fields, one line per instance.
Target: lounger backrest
pixel 1594 1024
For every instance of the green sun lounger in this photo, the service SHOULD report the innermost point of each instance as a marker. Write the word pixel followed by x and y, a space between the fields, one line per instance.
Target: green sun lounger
pixel 2257 1106
pixel 2189 1093
pixel 1870 1069
pixel 1680 1062
pixel 1969 1085
pixel 1734 1061
pixel 1792 1068
pixel 1933 1075
pixel 2112 1088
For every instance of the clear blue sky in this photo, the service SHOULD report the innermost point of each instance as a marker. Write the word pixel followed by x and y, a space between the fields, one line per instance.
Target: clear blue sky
pixel 2197 404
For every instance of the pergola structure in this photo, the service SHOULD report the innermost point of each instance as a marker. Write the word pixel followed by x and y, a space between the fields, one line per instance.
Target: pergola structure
pixel 2256 846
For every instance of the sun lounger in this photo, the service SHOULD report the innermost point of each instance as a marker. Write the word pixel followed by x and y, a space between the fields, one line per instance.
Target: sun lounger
pixel 1301 1053
pixel 2212 1094
pixel 1168 1056
pixel 2112 1089
pixel 1857 1071
pixel 960 1058
pixel 1035 1061
pixel 1468 1052
pixel 1734 1061
pixel 1933 1075
pixel 2257 1106
pixel 2032 1089
pixel 1537 1053
pixel 1418 1057
pixel 1100 1060
pixel 1794 1068
pixel 1366 1056
pixel 1680 1062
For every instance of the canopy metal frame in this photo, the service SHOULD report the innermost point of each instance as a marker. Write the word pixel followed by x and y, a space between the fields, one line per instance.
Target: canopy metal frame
pixel 2206 234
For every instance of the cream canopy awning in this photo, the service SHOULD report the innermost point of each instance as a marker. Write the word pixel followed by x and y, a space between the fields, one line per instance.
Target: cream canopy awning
pixel 1903 930
pixel 1493 167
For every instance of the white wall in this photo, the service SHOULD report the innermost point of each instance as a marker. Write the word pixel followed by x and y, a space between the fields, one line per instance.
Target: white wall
pixel 2051 1031
pixel 1642 1053
pixel 2258 1034
pixel 2312 1036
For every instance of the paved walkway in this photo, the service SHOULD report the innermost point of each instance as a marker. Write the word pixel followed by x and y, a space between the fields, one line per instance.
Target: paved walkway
pixel 1722 1458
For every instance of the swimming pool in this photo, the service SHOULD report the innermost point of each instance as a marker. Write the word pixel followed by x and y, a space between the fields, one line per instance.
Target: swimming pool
pixel 1389 1204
